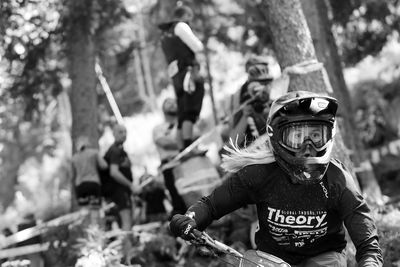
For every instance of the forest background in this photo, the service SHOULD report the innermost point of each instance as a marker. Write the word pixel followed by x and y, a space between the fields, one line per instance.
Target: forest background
pixel 49 90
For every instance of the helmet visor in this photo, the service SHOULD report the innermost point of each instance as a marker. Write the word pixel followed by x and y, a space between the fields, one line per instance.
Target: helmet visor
pixel 295 136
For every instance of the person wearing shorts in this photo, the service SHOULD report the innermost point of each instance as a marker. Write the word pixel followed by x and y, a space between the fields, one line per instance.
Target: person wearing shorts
pixel 180 47
pixel 85 164
pixel 119 187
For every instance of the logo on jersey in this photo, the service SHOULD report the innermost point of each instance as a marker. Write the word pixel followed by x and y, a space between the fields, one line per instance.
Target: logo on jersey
pixel 187 230
pixel 296 228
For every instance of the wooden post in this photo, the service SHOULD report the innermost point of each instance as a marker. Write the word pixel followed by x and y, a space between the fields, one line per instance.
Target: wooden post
pixel 145 61
pixel 139 75
pixel 207 62
pixel 108 93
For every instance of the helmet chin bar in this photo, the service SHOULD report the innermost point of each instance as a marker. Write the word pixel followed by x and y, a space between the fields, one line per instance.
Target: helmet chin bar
pixel 304 174
pixel 310 176
pixel 306 170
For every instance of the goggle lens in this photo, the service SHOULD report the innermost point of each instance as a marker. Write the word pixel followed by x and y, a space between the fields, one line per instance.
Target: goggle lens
pixel 296 135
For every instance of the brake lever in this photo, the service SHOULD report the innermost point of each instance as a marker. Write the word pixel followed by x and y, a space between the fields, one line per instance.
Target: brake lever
pixel 197 237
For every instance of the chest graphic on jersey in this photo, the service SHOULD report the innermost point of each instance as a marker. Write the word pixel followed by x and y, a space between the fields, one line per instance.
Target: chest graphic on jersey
pixel 296 228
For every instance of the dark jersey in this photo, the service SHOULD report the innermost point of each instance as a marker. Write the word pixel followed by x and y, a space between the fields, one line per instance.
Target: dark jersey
pixel 296 221
pixel 174 48
pixel 117 155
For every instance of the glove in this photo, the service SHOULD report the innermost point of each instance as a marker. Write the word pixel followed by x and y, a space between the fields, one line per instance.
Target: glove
pixel 182 226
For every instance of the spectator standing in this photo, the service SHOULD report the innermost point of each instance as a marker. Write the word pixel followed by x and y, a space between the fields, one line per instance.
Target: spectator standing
pixel 85 165
pixel 165 139
pixel 181 48
pixel 119 186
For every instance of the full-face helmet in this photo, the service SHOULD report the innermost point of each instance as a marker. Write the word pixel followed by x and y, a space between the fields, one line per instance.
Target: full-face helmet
pixel 298 122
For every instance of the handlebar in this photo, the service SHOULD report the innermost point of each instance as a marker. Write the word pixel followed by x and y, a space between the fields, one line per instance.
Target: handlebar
pixel 250 258
pixel 205 239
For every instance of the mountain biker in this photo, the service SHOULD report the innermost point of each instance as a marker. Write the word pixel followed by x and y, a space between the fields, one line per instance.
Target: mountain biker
pixel 249 123
pixel 303 197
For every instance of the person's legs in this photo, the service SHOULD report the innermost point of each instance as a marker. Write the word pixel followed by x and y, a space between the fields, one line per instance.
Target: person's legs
pixel 126 225
pixel 189 108
pixel 122 198
pixel 185 122
pixel 187 132
pixel 328 259
pixel 95 203
pixel 89 197
pixel 178 204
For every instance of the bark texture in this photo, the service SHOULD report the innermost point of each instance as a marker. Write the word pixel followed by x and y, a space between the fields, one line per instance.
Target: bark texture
pixel 320 26
pixel 83 94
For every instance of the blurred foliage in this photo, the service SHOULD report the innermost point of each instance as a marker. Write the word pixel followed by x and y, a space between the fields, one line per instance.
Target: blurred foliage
pixel 363 27
pixel 33 37
pixel 95 249
pixel 33 73
pixel 375 114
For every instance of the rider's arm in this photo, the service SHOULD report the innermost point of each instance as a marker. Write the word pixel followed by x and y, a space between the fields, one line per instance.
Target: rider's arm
pixel 360 225
pixel 115 173
pixel 231 195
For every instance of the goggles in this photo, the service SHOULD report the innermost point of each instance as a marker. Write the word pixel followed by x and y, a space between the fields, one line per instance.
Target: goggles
pixel 295 136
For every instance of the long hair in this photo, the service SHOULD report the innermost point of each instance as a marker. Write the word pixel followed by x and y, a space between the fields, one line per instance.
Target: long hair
pixel 258 152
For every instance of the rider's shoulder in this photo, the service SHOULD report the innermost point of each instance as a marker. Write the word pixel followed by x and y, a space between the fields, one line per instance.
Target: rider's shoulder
pixel 337 172
pixel 258 171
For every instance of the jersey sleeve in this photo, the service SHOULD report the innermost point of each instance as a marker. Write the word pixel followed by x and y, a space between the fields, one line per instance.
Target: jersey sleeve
pixel 115 156
pixel 233 194
pixel 183 31
pixel 360 224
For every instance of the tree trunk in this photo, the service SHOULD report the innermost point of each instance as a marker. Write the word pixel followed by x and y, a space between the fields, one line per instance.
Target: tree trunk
pixel 81 54
pixel 319 24
pixel 83 85
pixel 293 45
pixel 9 174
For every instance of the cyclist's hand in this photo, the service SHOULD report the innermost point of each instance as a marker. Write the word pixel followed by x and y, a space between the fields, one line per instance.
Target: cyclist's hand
pixel 182 226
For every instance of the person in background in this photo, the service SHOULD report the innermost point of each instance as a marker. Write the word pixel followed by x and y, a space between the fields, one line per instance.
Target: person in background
pixel 85 164
pixel 153 195
pixel 248 123
pixel 119 185
pixel 304 199
pixel 165 139
pixel 181 49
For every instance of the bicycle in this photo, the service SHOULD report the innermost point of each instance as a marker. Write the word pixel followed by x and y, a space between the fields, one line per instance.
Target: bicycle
pixel 250 258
